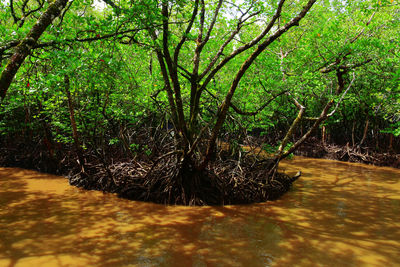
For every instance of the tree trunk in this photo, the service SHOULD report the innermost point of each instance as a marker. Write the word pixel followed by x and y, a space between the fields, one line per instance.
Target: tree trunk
pixel 223 110
pixel 391 142
pixel 318 121
pixel 292 128
pixel 75 135
pixel 364 133
pixel 352 134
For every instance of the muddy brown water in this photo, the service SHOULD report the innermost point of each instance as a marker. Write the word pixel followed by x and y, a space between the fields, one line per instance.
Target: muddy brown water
pixel 338 214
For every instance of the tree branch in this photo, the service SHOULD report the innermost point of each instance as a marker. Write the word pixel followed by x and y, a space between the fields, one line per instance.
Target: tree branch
pixel 25 47
pixel 113 5
pixel 187 31
pixel 248 113
pixel 260 48
pixel 362 31
pixel 292 127
pixel 246 46
pixel 342 97
pixel 172 69
pixel 299 142
pixel 222 47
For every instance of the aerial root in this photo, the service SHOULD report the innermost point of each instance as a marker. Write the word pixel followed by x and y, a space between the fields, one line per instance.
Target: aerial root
pixel 168 182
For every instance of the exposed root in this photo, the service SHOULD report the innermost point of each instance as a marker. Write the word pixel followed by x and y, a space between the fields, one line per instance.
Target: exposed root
pixel 167 182
pixel 315 149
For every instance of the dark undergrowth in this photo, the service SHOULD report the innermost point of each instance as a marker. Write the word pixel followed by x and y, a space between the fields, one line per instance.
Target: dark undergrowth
pixel 153 172
pixel 314 148
pixel 156 174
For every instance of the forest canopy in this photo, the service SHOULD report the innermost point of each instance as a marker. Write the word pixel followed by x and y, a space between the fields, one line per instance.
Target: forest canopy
pixel 181 89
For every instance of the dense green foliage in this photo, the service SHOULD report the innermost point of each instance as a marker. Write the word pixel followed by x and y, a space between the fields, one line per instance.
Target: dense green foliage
pixel 117 85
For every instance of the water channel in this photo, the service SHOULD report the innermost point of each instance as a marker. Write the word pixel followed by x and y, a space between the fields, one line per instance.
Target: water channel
pixel 337 214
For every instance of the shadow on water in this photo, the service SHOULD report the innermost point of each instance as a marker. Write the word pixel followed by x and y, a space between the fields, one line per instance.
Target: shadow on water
pixel 336 215
pixel 344 214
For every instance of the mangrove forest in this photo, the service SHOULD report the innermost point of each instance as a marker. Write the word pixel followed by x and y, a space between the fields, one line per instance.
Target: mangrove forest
pixel 197 102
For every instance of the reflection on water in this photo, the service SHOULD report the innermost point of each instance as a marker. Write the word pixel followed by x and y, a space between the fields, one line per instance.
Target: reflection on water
pixel 337 214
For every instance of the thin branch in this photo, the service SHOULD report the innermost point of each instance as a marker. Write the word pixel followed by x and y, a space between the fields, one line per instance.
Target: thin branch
pixel 317 122
pixel 64 12
pixel 343 95
pixel 25 15
pixel 258 110
pixel 248 113
pixel 326 68
pixel 292 127
pixel 184 74
pixel 356 65
pixel 187 31
pixel 196 142
pixel 214 19
pixel 260 48
pixel 91 39
pixel 362 31
pixel 16 19
pixel 164 72
pixel 188 74
pixel 245 47
pixel 10 44
pixel 239 26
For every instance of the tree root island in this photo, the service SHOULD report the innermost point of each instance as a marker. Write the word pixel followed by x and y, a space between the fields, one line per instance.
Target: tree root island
pixel 222 183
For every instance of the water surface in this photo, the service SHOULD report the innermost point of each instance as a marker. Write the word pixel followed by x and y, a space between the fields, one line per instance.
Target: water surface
pixel 338 214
